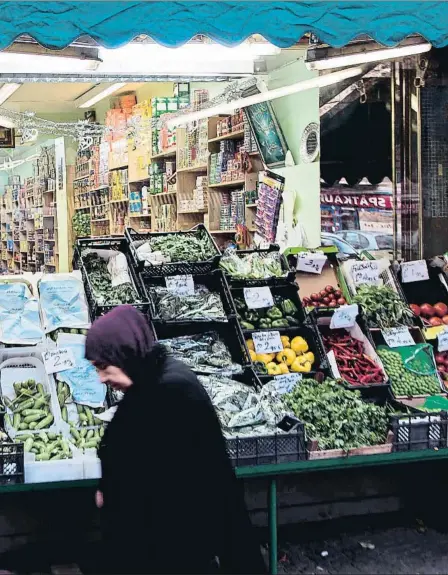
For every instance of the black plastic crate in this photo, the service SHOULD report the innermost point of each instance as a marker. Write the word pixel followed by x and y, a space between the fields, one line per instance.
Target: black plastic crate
pixel 229 332
pixel 214 281
pixel 429 291
pixel 11 463
pixel 419 431
pixel 311 335
pixel 136 239
pixel 114 244
pixel 273 281
pixel 284 290
pixel 369 390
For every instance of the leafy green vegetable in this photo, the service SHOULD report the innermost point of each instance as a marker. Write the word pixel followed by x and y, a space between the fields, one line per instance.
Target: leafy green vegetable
pixel 191 247
pixel 204 305
pixel 383 307
pixel 252 266
pixel 337 417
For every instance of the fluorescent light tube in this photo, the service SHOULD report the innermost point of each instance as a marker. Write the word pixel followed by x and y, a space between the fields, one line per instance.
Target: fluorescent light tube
pixel 11 62
pixel 368 57
pixel 7 90
pixel 103 94
pixel 228 108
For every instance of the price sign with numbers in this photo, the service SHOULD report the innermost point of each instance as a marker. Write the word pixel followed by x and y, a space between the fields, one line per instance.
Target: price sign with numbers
pixel 415 271
pixel 344 316
pixel 397 336
pixel 365 273
pixel 286 382
pixel 311 263
pixel 258 297
pixel 182 285
pixel 267 341
pixel 443 340
pixel 58 359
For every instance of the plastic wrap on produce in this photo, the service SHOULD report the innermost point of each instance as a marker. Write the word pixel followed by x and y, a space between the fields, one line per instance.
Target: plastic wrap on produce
pixel 203 353
pixel 62 302
pixel 118 269
pixel 145 254
pixel 19 315
pixel 252 266
pixel 202 305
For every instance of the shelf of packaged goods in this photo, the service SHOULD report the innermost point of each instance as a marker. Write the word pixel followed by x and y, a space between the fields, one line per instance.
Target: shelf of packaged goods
pixel 120 201
pixel 49 240
pixel 237 135
pixel 170 153
pixel 146 179
pixel 233 184
pixel 121 167
pixel 251 205
pixel 82 208
pixel 79 178
pixel 203 211
pixel 97 189
pixel 139 215
pixel 162 194
pixel 192 169
pixel 100 220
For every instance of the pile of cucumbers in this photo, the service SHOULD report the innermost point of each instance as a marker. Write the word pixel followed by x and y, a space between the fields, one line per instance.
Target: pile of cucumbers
pixel 31 407
pixel 46 446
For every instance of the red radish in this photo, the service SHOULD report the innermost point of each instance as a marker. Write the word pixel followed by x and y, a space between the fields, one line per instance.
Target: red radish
pixel 321 305
pixel 341 301
pixel 326 300
pixel 415 308
pixel 441 309
pixel 427 310
pixel 333 303
pixel 315 296
pixel 331 296
pixel 441 368
pixel 323 293
pixel 329 289
pixel 337 293
pixel 439 357
pixel 434 321
pixel 445 319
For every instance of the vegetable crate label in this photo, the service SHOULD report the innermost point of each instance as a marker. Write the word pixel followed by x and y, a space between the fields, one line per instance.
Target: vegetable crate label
pixel 415 271
pixel 267 341
pixel 365 273
pixel 397 336
pixel 181 285
pixel 59 359
pixel 257 298
pixel 443 340
pixel 344 316
pixel 311 263
pixel 286 382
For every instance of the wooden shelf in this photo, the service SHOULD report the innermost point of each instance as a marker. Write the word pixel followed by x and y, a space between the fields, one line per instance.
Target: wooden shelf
pixel 232 136
pixel 251 205
pixel 233 184
pixel 100 220
pixel 146 179
pixel 170 153
pixel 119 201
pixel 223 231
pixel 202 168
pixel 83 208
pixel 139 215
pixel 163 194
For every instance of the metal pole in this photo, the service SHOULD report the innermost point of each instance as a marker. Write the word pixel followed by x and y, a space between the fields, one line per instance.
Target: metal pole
pixel 272 518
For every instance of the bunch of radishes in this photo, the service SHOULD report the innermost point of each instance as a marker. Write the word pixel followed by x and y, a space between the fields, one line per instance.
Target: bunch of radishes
pixel 328 297
pixel 431 314
pixel 442 364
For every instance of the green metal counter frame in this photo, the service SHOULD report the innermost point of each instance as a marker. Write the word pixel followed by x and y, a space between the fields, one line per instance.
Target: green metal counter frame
pixel 270 472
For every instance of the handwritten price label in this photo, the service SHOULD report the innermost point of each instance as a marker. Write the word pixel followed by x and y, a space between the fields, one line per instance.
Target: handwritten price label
pixel 182 285
pixel 311 263
pixel 286 382
pixel 344 316
pixel 257 298
pixel 366 273
pixel 59 359
pixel 443 340
pixel 397 337
pixel 267 341
pixel 415 271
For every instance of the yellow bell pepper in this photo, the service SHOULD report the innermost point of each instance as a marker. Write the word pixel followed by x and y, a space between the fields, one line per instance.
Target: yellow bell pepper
pixel 299 366
pixel 283 367
pixel 253 355
pixel 250 344
pixel 275 370
pixel 285 341
pixel 263 357
pixel 287 356
pixel 271 364
pixel 299 345
pixel 309 356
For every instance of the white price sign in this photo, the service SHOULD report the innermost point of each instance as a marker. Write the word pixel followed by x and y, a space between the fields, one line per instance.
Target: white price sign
pixel 267 341
pixel 257 298
pixel 344 316
pixel 311 263
pixel 182 285
pixel 366 273
pixel 443 340
pixel 397 336
pixel 58 359
pixel 415 271
pixel 333 364
pixel 286 382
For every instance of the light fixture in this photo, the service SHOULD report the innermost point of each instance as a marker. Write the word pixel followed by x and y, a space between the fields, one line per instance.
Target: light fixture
pixel 228 108
pixel 11 62
pixel 103 94
pixel 368 57
pixel 7 90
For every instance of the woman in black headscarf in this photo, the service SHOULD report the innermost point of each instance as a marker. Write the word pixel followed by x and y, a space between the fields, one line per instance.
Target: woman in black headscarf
pixel 170 500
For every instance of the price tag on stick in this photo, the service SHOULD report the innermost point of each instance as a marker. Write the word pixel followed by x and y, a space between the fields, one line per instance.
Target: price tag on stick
pixel 182 285
pixel 415 271
pixel 443 340
pixel 257 298
pixel 344 316
pixel 311 263
pixel 58 359
pixel 397 336
pixel 267 341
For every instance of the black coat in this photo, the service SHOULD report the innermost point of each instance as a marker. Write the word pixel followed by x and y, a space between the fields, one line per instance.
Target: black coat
pixel 171 500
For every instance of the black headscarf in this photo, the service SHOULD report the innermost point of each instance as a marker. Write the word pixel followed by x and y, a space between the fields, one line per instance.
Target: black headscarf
pixel 122 338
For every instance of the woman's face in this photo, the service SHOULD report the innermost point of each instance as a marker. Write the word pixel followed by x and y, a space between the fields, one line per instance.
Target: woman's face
pixel 113 376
